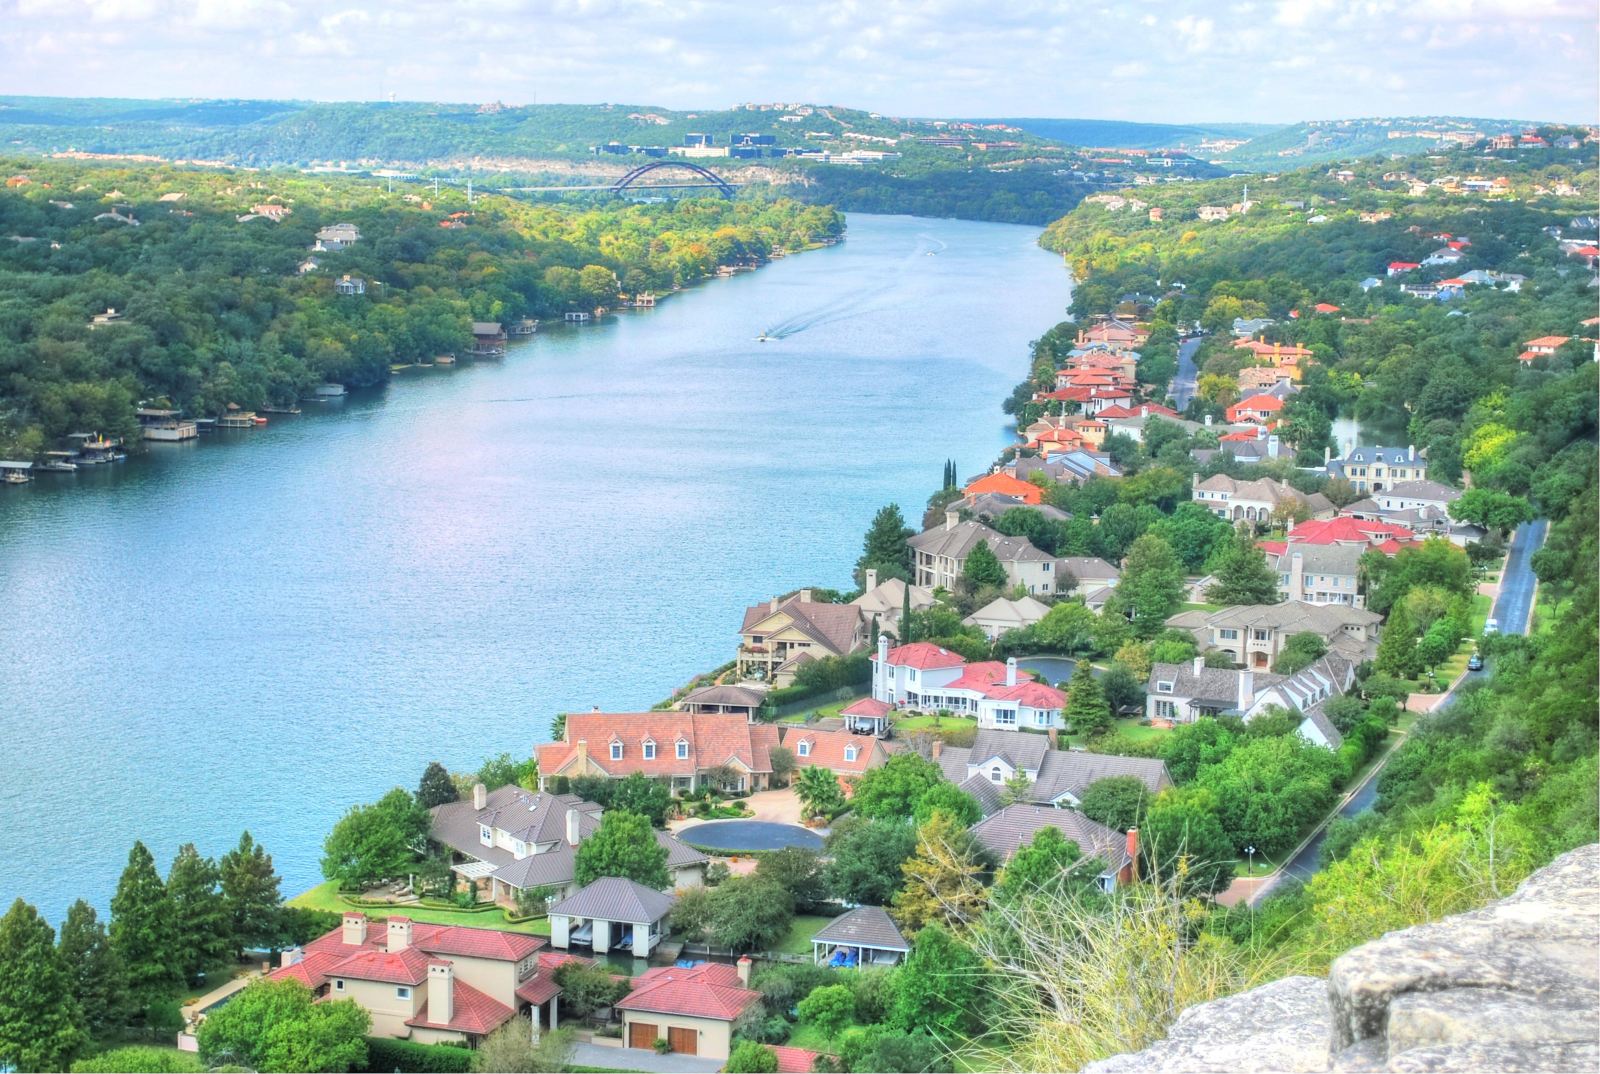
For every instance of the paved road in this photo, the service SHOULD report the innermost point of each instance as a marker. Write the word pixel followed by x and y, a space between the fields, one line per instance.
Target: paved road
pixel 1512 608
pixel 1182 387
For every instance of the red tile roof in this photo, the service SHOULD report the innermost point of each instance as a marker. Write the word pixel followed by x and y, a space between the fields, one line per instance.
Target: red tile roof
pixel 1326 307
pixel 709 990
pixel 826 749
pixel 793 1060
pixel 471 1012
pixel 329 956
pixel 1546 341
pixel 1006 485
pixel 867 706
pixel 1346 529
pixel 1035 695
pixel 714 738
pixel 922 655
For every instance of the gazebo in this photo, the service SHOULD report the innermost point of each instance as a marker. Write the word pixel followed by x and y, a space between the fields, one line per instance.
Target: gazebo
pixel 612 912
pixel 866 935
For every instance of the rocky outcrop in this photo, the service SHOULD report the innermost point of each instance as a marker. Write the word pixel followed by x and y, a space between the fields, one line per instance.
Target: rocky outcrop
pixel 1512 987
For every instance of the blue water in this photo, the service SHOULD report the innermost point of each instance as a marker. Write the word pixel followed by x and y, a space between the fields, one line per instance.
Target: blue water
pixel 261 629
pixel 749 835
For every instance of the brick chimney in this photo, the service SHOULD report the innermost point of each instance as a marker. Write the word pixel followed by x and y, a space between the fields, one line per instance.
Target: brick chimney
pixel 938 748
pixel 1133 843
pixel 1051 736
pixel 480 796
pixel 355 929
pixel 805 596
pixel 583 757
pixel 441 991
pixel 744 970
pixel 572 826
pixel 399 934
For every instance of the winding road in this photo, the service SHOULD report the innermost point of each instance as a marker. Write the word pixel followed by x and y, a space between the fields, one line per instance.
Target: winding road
pixel 1513 608
pixel 1183 385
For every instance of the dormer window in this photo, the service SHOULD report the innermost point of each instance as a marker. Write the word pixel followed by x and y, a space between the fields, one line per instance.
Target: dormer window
pixel 850 753
pixel 649 749
pixel 996 776
pixel 683 750
pixel 485 835
pixel 616 751
pixel 805 748
pixel 1163 688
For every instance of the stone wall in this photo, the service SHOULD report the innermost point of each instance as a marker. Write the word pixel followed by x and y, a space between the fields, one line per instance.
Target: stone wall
pixel 1512 987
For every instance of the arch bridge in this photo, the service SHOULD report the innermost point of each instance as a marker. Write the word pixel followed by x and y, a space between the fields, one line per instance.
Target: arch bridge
pixel 712 179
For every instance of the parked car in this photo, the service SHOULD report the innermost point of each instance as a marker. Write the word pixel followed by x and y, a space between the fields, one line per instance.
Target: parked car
pixel 1475 662
pixel 1491 626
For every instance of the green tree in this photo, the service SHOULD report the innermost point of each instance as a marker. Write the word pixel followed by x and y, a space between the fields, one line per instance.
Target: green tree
pixel 1182 841
pixel 1269 789
pixel 950 798
pixel 939 986
pixel 201 931
pixel 139 1059
pixel 1498 511
pixel 511 1049
pixel 1086 713
pixel 141 929
pixel 751 1057
pixel 502 770
pixel 1151 586
pixel 1049 862
pixel 40 1021
pixel 830 1008
pixel 99 984
pixel 1397 648
pixel 624 845
pixel 942 878
pixel 884 548
pixel 982 568
pixel 1241 572
pixel 1118 802
pixel 587 987
pixel 1123 689
pixel 1068 627
pixel 638 793
pixel 373 843
pixel 865 857
pixel 1300 651
pixel 782 760
pixel 436 788
pixel 892 789
pixel 1193 532
pixel 1437 643
pixel 250 894
pixel 749 913
pixel 799 871
pixel 276 1026
pixel 819 793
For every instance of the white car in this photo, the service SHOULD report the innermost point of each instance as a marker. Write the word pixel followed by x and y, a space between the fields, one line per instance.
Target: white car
pixel 1491 626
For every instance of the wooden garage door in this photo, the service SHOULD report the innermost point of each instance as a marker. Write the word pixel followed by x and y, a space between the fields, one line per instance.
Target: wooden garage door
pixel 682 1040
pixel 641 1035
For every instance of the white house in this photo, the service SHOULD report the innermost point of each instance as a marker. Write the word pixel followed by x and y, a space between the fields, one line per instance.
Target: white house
pixel 1184 693
pixel 923 677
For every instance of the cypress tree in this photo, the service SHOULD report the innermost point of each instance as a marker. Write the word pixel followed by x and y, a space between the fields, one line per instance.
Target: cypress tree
pixel 907 628
pixel 250 894
pixel 1397 649
pixel 1087 711
pixel 141 928
pixel 201 933
pixel 40 1022
pixel 1242 574
pixel 437 788
pixel 97 979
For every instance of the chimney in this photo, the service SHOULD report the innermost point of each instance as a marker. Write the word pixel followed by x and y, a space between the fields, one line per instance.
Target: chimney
pixel 1411 451
pixel 292 956
pixel 480 796
pixel 441 991
pixel 1297 576
pixel 772 605
pixel 399 934
pixel 1261 430
pixel 355 929
pixel 1011 671
pixel 1327 455
pixel 1051 736
pixel 1133 843
pixel 938 748
pixel 572 826
pixel 1272 446
pixel 583 757
pixel 594 708
pixel 744 970
pixel 805 596
pixel 1194 480
pixel 951 517
pixel 1247 689
pixel 871 579
pixel 1208 421
pixel 1144 411
pixel 1199 664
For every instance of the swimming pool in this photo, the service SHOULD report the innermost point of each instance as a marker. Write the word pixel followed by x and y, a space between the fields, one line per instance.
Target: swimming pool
pixel 749 835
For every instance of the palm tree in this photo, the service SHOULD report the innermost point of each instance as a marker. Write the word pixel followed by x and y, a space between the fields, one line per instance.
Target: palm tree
pixel 819 792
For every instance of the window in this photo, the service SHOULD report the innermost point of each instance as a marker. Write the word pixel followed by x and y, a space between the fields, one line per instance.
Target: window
pixel 850 753
pixel 1166 709
pixel 338 984
pixel 995 776
pixel 649 750
pixel 1259 635
pixel 683 749
pixel 1005 717
pixel 485 836
pixel 402 992
pixel 616 751
pixel 1163 687
pixel 1228 635
pixel 756 639
pixel 805 749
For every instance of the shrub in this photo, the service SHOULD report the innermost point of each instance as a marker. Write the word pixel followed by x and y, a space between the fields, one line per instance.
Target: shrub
pixel 139 1059
pixel 751 1057
pixel 387 1053
pixel 585 988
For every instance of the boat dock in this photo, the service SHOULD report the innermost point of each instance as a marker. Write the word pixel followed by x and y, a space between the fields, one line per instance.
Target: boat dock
pixel 15 472
pixel 165 425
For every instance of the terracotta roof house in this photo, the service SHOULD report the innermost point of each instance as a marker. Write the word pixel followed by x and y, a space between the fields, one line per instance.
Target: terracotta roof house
pixel 840 752
pixel 924 677
pixel 611 913
pixel 429 983
pixel 694 1009
pixel 1254 634
pixel 685 748
pixel 1351 531
pixel 1006 485
pixel 1373 469
pixel 745 701
pixel 1257 410
pixel 885 600
pixel 1013 827
pixel 940 555
pixel 1187 692
pixel 866 935
pixel 510 840
pixel 1258 500
pixel 1003 614
pixel 1545 344
pixel 780 635
pixel 794 1060
pixel 1057 777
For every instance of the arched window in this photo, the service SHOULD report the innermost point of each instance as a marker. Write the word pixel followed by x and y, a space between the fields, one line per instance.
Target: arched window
pixel 996 776
pixel 649 750
pixel 616 751
pixel 850 753
pixel 683 750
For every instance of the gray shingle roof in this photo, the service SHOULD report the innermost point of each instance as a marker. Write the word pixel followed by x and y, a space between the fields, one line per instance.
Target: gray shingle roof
pixel 865 926
pixel 984 790
pixel 616 898
pixel 1072 772
pixel 1292 615
pixel 1210 686
pixel 956 541
pixel 1016 825
pixel 1019 749
pixel 1323 558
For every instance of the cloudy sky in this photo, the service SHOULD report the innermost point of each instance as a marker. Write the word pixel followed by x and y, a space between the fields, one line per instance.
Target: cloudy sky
pixel 1171 60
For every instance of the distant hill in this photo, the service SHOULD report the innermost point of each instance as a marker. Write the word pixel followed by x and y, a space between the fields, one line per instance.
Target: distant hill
pixel 1318 141
pixel 1116 134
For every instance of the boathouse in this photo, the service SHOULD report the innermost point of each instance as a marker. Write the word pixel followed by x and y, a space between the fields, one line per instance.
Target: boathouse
pixel 488 340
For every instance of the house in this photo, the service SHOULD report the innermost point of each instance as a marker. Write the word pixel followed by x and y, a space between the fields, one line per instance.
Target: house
pixel 1003 614
pixel 1057 778
pixel 350 285
pixel 1006 485
pixel 1444 255
pixel 1005 832
pixel 1256 379
pixel 336 237
pixel 432 984
pixel 867 716
pixel 1254 634
pixel 1072 467
pixel 1407 495
pixel 840 752
pixel 1373 469
pixel 1212 213
pixel 884 601
pixel 1286 358
pixel 1256 410
pixel 1543 346
pixel 988 506
pixel 689 749
pixel 1260 500
pixel 695 1009
pixel 866 936
pixel 1400 268
pixel 780 635
pixel 1424 521
pixel 512 840
pixel 1249 327
pixel 940 556
pixel 1186 692
pixel 1087 573
pixel 488 340
pixel 111 316
pixel 1319 574
pixel 925 677
pixel 741 699
pixel 1355 532
pixel 611 913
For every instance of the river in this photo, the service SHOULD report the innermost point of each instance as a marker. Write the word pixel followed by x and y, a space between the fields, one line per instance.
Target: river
pixel 260 629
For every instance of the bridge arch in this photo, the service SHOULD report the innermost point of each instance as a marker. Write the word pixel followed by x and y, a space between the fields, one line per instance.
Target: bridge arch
pixel 711 177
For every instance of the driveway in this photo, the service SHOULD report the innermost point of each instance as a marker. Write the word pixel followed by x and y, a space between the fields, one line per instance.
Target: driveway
pixel 1182 386
pixel 597 1055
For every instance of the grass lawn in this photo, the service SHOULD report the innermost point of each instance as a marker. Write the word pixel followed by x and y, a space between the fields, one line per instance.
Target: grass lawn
pixel 810 1038
pixel 326 897
pixel 805 926
pixel 933 723
pixel 1481 606
pixel 1190 607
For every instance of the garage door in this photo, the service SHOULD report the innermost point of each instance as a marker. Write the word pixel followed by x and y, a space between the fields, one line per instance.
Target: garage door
pixel 682 1041
pixel 641 1035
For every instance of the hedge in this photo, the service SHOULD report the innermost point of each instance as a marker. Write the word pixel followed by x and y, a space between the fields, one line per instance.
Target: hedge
pixel 386 1053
